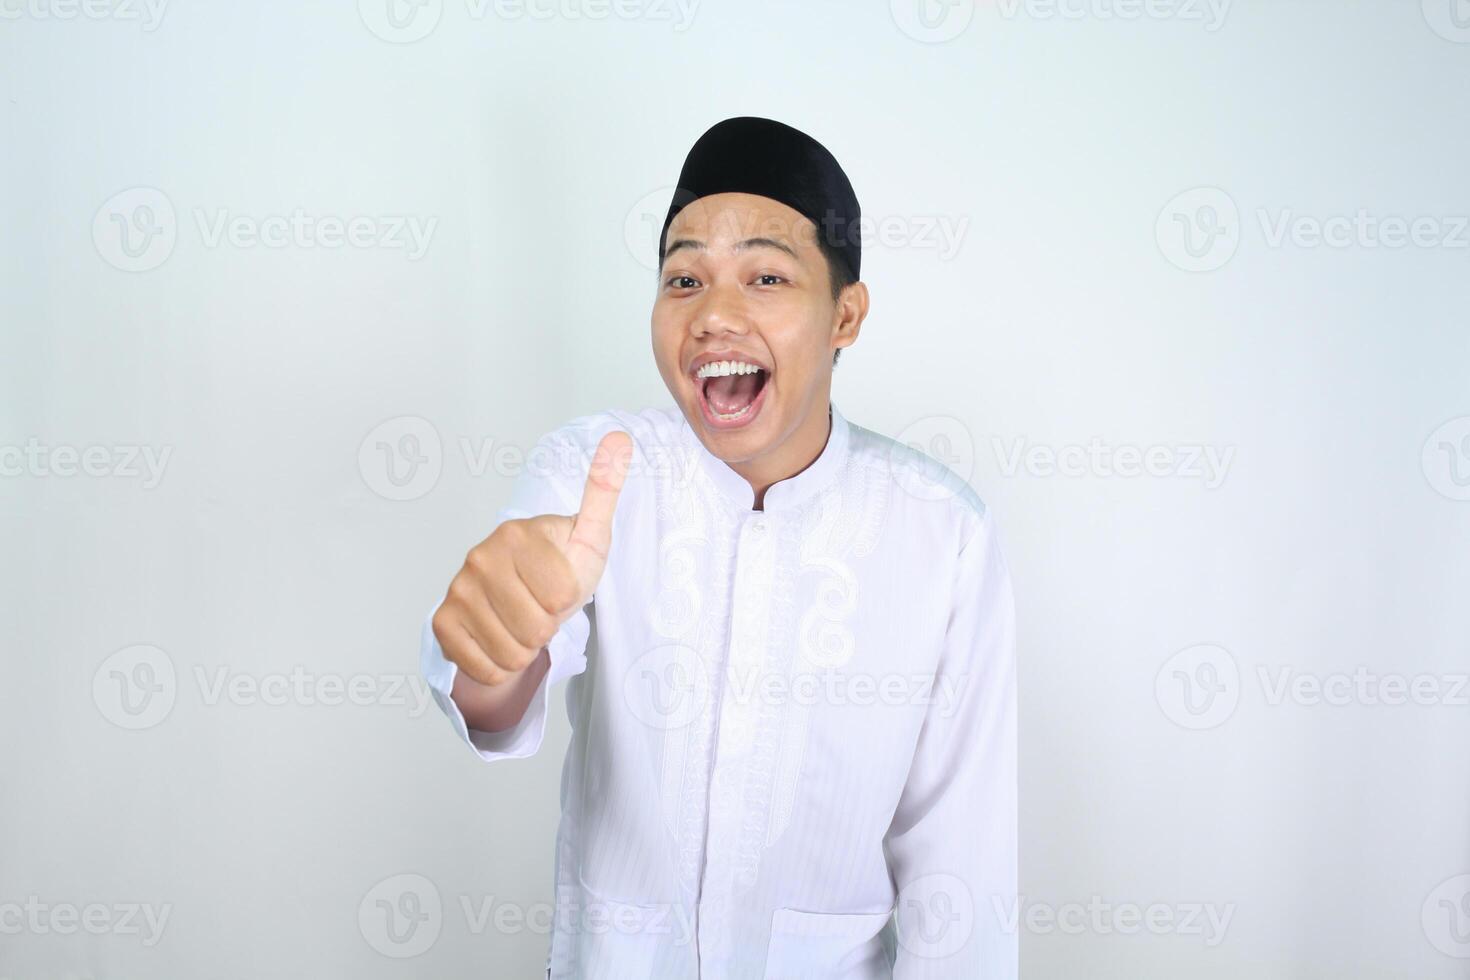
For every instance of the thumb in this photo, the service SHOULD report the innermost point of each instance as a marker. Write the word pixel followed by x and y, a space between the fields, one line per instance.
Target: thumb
pixel 592 528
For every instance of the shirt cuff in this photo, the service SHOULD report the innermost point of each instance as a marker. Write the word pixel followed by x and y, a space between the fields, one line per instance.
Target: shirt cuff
pixel 567 651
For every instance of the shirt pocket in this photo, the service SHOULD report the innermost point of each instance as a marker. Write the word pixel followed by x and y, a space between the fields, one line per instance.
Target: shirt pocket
pixel 616 940
pixel 827 946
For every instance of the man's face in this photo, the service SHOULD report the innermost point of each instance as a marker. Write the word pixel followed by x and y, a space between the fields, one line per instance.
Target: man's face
pixel 743 280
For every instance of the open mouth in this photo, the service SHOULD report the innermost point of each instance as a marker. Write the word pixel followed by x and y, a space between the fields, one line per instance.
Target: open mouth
pixel 730 392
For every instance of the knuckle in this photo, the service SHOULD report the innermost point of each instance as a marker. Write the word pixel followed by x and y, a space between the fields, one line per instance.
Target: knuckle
pixel 510 533
pixel 523 659
pixel 549 525
pixel 543 633
pixel 485 673
pixel 507 661
pixel 459 590
pixel 476 560
pixel 440 624
pixel 523 629
pixel 454 653
pixel 566 590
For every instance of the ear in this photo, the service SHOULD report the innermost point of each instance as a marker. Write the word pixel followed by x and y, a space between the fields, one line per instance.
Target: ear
pixel 847 319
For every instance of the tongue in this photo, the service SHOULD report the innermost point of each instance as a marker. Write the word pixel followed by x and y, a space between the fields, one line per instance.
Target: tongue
pixel 731 393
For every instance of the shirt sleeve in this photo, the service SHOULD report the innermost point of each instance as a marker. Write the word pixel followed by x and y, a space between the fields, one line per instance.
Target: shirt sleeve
pixel 952 846
pixel 551 483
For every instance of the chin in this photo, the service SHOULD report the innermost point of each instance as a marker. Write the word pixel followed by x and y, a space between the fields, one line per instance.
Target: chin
pixel 737 443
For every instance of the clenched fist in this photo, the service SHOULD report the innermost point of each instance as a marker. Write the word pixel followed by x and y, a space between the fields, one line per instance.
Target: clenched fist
pixel 522 582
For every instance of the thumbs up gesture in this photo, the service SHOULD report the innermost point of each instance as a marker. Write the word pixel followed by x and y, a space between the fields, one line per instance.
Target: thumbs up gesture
pixel 528 577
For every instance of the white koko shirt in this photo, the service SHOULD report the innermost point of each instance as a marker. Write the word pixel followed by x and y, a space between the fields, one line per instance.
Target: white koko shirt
pixel 788 724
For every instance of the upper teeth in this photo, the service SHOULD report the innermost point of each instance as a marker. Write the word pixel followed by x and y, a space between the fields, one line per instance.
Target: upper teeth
pixel 718 369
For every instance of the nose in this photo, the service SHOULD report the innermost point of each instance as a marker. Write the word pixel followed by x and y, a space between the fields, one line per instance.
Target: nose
pixel 721 311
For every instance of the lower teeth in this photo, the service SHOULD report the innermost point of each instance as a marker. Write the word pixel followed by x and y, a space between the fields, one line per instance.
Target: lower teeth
pixel 733 415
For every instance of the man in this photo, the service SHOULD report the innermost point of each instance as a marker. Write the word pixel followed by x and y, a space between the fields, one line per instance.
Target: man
pixel 798 715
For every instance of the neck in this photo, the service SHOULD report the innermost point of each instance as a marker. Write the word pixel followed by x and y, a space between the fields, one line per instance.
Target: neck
pixel 794 455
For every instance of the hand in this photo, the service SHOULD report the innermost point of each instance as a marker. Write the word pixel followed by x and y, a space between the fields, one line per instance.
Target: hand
pixel 522 582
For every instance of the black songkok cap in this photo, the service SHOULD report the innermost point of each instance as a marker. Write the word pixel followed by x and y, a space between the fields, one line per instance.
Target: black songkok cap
pixel 750 155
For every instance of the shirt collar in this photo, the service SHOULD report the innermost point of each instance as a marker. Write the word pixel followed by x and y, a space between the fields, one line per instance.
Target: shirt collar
pixel 789 493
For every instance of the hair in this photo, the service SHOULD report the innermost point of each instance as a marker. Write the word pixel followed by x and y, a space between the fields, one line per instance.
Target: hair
pixel 838 273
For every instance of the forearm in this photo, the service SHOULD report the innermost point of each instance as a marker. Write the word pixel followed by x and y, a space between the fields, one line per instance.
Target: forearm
pixel 500 707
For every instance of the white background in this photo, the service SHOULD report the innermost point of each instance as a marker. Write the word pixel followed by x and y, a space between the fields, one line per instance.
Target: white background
pixel 536 146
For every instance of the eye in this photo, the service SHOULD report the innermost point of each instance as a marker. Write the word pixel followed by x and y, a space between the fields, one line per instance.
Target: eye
pixel 682 282
pixel 761 279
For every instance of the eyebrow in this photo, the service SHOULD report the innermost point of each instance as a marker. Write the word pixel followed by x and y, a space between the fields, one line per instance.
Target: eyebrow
pixel 740 246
